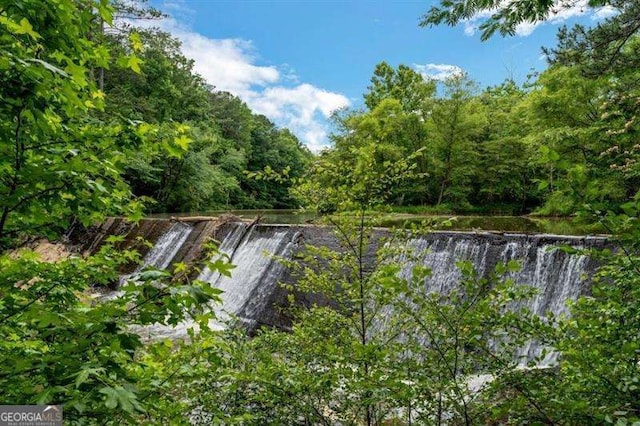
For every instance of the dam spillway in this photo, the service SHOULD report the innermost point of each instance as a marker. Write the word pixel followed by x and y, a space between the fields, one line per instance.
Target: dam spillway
pixel 253 294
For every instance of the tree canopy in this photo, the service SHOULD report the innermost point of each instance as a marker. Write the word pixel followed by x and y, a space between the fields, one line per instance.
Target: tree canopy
pixel 502 16
pixel 99 121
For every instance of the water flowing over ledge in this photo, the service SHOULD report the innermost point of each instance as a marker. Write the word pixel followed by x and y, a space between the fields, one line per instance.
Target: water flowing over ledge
pixel 253 293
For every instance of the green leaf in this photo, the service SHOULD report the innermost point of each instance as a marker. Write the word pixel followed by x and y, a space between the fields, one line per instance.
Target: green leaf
pixel 134 63
pixel 85 373
pixel 136 42
pixel 49 66
pixel 25 28
pixel 120 397
pixel 513 265
pixel 183 142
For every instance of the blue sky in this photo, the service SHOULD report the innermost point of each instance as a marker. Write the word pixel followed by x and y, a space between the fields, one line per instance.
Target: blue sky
pixel 297 61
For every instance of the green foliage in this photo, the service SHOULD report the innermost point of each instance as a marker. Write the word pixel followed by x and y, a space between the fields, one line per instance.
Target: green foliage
pixel 455 123
pixel 52 165
pixel 584 108
pixel 403 84
pixel 62 159
pixel 504 16
pixel 366 176
pixel 63 343
pixel 277 149
pixel 223 138
pixel 506 174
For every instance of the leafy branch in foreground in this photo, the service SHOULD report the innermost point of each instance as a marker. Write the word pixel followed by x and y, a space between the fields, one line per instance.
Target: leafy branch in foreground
pixel 64 343
pixel 501 16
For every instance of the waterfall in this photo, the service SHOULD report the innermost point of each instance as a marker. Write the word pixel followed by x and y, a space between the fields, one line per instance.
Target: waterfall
pixel 441 256
pixel 557 276
pixel 247 292
pixel 164 250
pixel 253 294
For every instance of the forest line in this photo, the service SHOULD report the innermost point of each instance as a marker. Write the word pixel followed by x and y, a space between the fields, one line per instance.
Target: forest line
pixel 560 141
pixel 99 120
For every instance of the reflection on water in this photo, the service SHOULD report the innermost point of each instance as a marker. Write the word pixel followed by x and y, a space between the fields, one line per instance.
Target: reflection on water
pixel 516 224
pixel 267 216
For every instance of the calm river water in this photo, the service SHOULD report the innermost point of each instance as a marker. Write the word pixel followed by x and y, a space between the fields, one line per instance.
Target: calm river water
pixel 516 224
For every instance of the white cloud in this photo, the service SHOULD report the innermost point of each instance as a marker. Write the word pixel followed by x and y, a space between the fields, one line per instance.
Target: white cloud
pixel 604 13
pixel 438 72
pixel 471 24
pixel 303 109
pixel 228 64
pixel 232 65
pixel 562 11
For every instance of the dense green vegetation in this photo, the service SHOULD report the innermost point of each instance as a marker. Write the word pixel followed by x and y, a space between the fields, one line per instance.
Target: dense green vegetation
pixel 97 120
pixel 59 162
pixel 223 138
pixel 564 140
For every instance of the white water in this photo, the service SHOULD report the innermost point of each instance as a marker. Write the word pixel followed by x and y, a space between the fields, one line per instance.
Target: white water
pixel 556 276
pixel 441 257
pixel 164 250
pixel 247 293
pixel 252 281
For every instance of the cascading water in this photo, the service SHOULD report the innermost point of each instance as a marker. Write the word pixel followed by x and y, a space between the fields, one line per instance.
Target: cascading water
pixel 246 294
pixel 247 291
pixel 556 275
pixel 441 256
pixel 163 252
pixel 251 290
pixel 165 249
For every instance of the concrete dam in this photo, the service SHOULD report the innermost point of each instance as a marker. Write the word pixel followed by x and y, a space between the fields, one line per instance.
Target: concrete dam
pixel 254 295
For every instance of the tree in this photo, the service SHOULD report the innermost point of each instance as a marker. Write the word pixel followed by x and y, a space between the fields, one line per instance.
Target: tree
pixel 456 121
pixel 609 47
pixel 566 107
pixel 52 162
pixel 395 132
pixel 278 149
pixel 220 135
pixel 165 88
pixel 234 119
pixel 502 16
pixel 59 161
pixel 403 84
pixel 606 57
pixel 506 175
